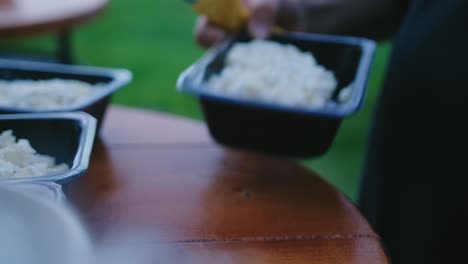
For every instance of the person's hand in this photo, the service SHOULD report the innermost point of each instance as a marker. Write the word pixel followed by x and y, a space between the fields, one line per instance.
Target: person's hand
pixel 264 15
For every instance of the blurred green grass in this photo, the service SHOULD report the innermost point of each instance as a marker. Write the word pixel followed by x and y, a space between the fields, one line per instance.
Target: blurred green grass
pixel 154 40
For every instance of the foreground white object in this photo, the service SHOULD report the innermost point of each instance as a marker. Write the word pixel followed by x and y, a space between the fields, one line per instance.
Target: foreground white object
pixel 47 190
pixel 275 73
pixel 19 160
pixel 44 94
pixel 37 230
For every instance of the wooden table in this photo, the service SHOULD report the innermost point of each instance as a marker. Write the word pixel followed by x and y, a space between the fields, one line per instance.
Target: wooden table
pixel 30 17
pixel 200 203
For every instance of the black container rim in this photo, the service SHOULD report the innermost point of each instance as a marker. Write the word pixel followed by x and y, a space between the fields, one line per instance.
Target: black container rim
pixel 120 78
pixel 185 82
pixel 83 154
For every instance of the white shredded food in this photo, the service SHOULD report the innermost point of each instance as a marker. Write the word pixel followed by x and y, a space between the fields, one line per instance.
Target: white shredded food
pixel 276 73
pixel 44 94
pixel 19 160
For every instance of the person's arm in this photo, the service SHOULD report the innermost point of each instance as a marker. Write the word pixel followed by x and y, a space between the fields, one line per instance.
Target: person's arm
pixel 370 18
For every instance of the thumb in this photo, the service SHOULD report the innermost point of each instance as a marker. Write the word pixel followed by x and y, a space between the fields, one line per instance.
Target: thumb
pixel 263 15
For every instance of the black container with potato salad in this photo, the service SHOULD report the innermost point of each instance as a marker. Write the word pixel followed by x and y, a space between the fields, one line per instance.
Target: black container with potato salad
pixel 109 81
pixel 277 129
pixel 66 137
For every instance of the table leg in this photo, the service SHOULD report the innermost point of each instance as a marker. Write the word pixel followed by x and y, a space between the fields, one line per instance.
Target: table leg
pixel 64 47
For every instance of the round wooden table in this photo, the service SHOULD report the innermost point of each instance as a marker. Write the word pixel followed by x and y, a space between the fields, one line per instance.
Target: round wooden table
pixel 193 201
pixel 29 17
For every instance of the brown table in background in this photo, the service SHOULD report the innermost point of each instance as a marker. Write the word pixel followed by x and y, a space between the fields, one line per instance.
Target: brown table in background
pixel 164 176
pixel 31 17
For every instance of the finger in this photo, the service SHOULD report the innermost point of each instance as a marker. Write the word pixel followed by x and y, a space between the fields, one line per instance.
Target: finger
pixel 291 14
pixel 262 16
pixel 206 33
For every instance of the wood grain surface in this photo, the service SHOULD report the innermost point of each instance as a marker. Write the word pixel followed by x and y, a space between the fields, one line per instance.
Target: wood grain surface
pixel 197 202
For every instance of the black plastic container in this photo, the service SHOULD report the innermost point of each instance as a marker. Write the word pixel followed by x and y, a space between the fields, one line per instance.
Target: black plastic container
pixel 96 105
pixel 68 137
pixel 276 129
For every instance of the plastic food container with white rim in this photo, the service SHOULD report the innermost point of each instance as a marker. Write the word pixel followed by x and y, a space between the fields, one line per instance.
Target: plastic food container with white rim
pixel 276 129
pixel 47 190
pixel 68 137
pixel 111 81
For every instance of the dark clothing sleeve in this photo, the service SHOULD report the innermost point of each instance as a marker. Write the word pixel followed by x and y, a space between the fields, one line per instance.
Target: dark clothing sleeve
pixel 412 190
pixel 368 18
